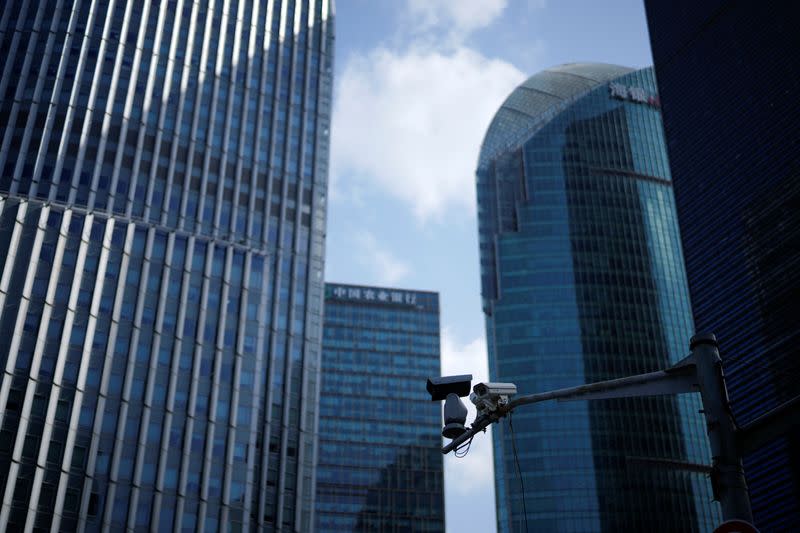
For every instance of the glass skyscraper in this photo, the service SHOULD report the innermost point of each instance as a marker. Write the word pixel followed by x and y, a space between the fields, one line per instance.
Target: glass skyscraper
pixel 162 212
pixel 583 280
pixel 729 75
pixel 380 468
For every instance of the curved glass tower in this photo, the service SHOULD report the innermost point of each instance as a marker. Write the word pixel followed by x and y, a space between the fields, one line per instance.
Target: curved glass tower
pixel 164 170
pixel 583 280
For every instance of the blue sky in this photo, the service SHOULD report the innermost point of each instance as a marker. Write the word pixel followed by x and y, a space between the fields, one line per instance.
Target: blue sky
pixel 416 84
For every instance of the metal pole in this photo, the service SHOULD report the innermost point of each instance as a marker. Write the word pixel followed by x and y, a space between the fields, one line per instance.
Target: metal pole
pixel 727 476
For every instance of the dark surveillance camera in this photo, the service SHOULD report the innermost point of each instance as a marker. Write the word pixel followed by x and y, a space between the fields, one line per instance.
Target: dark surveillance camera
pixel 451 389
pixel 439 388
pixel 455 416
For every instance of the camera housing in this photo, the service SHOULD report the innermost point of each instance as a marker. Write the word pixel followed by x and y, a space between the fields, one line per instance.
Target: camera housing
pixel 487 397
pixel 440 387
pixel 451 389
pixel 498 389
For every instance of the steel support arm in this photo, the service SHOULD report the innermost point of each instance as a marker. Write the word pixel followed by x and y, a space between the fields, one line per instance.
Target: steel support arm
pixel 676 380
pixel 701 372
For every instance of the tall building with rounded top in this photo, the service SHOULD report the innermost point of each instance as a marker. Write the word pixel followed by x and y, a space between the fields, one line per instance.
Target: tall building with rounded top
pixel 163 173
pixel 583 280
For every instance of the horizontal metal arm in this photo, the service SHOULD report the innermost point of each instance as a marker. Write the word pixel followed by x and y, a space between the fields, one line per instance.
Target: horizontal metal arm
pixel 679 379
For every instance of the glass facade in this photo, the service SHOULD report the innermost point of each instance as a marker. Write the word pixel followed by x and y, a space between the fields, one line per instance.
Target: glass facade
pixel 162 213
pixel 380 465
pixel 583 281
pixel 729 76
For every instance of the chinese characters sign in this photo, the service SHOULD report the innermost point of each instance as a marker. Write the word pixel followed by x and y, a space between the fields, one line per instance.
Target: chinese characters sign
pixel 633 94
pixel 371 295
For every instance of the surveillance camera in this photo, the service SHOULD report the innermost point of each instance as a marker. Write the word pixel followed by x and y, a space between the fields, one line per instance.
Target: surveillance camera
pixel 495 389
pixel 489 396
pixel 455 416
pixel 451 389
pixel 439 388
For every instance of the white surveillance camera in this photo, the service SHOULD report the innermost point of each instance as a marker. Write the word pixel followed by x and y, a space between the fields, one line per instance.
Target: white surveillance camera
pixel 488 397
pixel 495 389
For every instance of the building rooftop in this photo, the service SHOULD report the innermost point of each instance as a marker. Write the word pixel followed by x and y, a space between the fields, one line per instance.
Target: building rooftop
pixel 538 99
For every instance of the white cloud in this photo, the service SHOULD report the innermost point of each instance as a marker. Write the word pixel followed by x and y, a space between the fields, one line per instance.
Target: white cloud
pixel 475 472
pixel 384 266
pixel 461 17
pixel 412 122
pixel 469 358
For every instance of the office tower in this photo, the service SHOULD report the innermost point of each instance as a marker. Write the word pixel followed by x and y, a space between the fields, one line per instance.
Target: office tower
pixel 164 169
pixel 582 281
pixel 729 77
pixel 380 468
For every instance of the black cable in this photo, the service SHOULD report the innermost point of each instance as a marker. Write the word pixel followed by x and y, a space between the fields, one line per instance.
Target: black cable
pixel 519 471
pixel 466 446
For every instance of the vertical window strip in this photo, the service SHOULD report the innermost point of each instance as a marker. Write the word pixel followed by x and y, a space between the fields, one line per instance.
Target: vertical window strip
pixel 270 380
pixel 119 441
pixel 34 108
pixel 186 466
pixel 315 287
pixel 288 254
pixel 173 380
pixel 81 385
pixel 112 96
pixel 279 503
pixel 126 114
pixel 62 353
pixel 255 240
pixel 22 310
pixel 222 174
pixel 243 116
pixel 31 385
pixel 45 319
pixel 150 382
pixel 193 218
pixel 89 111
pixel 12 50
pixel 273 48
pixel 249 293
pixel 200 224
pixel 23 427
pixel 49 126
pixel 205 415
pixel 233 426
pixel 104 380
pixel 258 398
pixel 326 11
pixel 7 8
pixel 262 104
pixel 21 81
pixel 8 267
pixel 66 127
pixel 184 88
pixel 307 348
pixel 219 348
pixel 268 401
pixel 142 126
pixel 209 227
pixel 162 113
pixel 228 230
